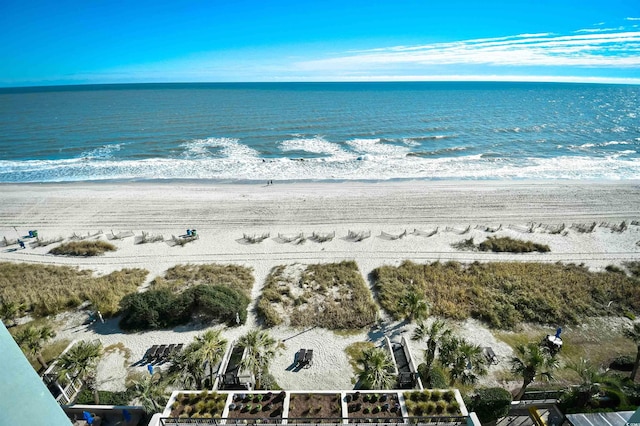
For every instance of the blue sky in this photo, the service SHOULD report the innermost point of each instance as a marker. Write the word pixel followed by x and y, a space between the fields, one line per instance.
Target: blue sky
pixel 95 41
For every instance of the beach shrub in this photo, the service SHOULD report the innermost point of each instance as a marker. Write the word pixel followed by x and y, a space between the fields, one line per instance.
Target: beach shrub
pixel 505 294
pixel 161 308
pixel 511 245
pixel 83 248
pixel 490 404
pixel 332 295
pixel 47 289
pixel 181 277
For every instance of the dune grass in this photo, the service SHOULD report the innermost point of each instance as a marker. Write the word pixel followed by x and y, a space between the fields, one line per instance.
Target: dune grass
pixel 511 245
pixel 181 277
pixel 83 248
pixel 47 289
pixel 331 295
pixel 504 294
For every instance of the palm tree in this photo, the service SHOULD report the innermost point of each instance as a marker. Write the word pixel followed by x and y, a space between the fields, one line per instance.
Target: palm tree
pixel 150 392
pixel 466 361
pixel 589 376
pixel 437 331
pixel 187 368
pixel 532 362
pixel 80 362
pixel 413 306
pixel 261 349
pixel 210 349
pixel 32 340
pixel 377 372
pixel 9 311
pixel 634 334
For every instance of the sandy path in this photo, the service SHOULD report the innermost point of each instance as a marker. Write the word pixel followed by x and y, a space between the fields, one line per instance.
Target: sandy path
pixel 223 213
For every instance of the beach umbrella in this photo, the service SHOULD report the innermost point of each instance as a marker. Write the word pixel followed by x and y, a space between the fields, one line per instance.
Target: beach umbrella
pixel 150 368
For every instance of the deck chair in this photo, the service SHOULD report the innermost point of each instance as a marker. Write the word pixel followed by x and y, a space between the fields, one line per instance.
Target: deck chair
pixel 301 357
pixel 150 354
pixel 308 358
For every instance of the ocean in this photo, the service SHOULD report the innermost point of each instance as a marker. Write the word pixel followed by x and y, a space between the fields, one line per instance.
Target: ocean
pixel 319 131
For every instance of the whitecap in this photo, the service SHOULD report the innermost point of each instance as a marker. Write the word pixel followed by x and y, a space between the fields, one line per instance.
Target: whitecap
pixel 376 147
pixel 105 151
pixel 315 145
pixel 218 147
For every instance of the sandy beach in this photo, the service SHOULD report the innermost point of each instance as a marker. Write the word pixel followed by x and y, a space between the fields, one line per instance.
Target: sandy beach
pixel 223 213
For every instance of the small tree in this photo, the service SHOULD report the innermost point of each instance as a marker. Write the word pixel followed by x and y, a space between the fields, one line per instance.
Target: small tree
pixel 377 372
pixel 261 349
pixel 150 392
pixel 432 334
pixel 32 341
pixel 80 362
pixel 464 360
pixel 210 350
pixel 187 367
pixel 532 362
pixel 9 311
pixel 413 306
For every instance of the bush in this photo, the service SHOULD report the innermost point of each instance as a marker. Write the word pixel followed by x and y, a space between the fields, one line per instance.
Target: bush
pixel 83 248
pixel 85 397
pixel 490 404
pixel 161 308
pixel 622 363
pixel 510 245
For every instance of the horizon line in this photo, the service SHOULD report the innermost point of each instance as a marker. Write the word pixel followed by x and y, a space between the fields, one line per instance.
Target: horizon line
pixel 588 80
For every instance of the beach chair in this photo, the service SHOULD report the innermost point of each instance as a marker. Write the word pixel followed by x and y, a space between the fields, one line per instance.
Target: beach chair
pixel 149 354
pixel 170 351
pixel 159 353
pixel 308 358
pixel 490 355
pixel 300 357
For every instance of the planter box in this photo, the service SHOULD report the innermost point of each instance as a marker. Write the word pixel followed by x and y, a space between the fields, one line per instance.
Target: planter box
pixel 317 407
pixel 373 405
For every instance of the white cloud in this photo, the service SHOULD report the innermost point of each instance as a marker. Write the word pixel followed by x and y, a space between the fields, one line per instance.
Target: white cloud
pixel 632 19
pixel 612 49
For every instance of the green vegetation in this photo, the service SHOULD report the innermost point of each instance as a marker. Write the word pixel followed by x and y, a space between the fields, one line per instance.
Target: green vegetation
pixel 433 335
pixel 204 405
pixel 206 292
pixel 261 349
pixel 83 248
pixel 490 404
pixel 32 339
pixel 46 290
pixel 355 352
pixel 162 308
pixel 81 361
pixel 505 294
pixel 532 362
pixel 377 370
pixel 464 361
pixel 511 245
pixel 501 245
pixel 428 403
pixel 181 277
pixel 332 296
